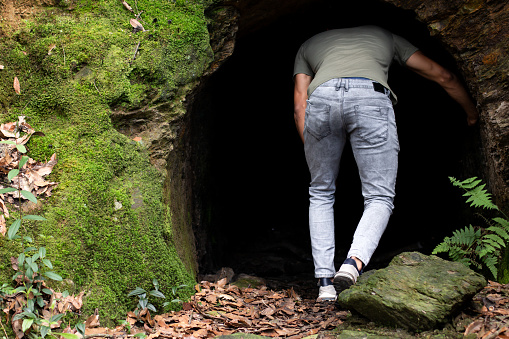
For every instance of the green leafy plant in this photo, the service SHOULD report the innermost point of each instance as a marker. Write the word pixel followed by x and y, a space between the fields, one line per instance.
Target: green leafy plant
pixel 176 300
pixel 32 266
pixel 143 295
pixel 479 247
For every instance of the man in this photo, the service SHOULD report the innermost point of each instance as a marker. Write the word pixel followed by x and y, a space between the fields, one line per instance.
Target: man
pixel 341 93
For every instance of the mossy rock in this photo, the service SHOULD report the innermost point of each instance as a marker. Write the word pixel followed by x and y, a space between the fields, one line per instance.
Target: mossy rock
pixel 245 281
pixel 107 229
pixel 415 291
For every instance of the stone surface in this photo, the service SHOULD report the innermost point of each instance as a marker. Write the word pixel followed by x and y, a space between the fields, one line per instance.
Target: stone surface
pixel 476 33
pixel 415 291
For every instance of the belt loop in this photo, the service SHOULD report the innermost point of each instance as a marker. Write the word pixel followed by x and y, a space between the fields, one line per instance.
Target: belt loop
pixel 338 84
pixel 347 87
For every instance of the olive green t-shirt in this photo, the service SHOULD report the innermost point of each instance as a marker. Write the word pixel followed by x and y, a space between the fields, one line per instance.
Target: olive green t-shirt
pixel 365 52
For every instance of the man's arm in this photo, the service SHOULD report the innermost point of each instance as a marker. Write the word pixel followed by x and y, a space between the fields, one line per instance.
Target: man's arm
pixel 300 95
pixel 429 69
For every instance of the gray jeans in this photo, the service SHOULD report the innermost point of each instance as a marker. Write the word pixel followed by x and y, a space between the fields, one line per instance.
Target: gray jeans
pixel 341 109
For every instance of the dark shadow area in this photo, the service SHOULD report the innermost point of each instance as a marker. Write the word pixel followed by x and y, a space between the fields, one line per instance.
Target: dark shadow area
pixel 254 187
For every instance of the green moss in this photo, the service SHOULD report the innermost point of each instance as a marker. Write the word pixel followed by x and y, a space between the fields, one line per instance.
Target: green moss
pixel 68 94
pixel 503 275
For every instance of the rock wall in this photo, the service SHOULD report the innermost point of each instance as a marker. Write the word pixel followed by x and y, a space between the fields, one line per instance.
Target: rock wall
pixel 476 33
pixel 109 98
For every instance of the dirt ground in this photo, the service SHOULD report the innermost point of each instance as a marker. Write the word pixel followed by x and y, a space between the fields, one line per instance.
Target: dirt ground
pixel 220 310
pixel 13 12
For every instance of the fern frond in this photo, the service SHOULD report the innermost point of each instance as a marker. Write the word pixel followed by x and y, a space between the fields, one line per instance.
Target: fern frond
pixel 492 243
pixel 502 222
pixel 500 232
pixel 496 238
pixel 477 195
pixel 457 253
pixel 491 263
pixel 443 247
pixel 467 262
pixel 485 249
pixel 478 247
pixel 465 184
pixel 465 237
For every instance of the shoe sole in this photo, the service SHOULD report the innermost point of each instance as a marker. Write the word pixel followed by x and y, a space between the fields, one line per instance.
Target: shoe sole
pixel 325 299
pixel 342 283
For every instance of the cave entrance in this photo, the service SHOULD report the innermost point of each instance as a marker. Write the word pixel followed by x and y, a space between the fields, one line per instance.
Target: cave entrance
pixel 254 181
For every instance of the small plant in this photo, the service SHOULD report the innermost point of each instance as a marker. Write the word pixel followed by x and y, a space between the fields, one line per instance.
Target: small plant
pixel 176 299
pixel 143 302
pixel 478 246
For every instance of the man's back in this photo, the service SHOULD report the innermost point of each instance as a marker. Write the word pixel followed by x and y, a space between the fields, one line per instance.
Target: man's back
pixel 365 51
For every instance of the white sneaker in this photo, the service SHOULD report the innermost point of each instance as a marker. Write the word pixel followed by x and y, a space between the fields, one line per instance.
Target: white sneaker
pixel 327 293
pixel 347 275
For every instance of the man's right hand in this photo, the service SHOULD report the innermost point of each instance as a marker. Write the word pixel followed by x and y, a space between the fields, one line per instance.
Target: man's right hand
pixel 429 69
pixel 300 96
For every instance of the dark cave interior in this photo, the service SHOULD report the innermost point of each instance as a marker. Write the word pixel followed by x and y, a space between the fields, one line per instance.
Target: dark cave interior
pixel 254 183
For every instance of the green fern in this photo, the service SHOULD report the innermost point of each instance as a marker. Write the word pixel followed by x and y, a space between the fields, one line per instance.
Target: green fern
pixel 477 195
pixel 476 246
pixel 465 237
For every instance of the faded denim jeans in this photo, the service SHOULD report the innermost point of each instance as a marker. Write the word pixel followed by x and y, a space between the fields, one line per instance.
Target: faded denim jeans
pixel 340 110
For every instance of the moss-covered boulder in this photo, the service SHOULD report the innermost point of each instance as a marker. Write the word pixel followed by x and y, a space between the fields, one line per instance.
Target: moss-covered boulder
pixel 80 63
pixel 415 291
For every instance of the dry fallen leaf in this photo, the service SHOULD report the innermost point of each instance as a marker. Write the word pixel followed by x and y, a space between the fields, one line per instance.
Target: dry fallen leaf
pixel 126 5
pixel 3 226
pixel 93 320
pixel 4 209
pixel 136 24
pixel 16 327
pixel 97 331
pixel 501 311
pixel 474 327
pixel 16 86
pixel 51 47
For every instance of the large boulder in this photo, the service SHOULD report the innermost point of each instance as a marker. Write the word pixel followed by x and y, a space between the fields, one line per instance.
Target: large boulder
pixel 415 291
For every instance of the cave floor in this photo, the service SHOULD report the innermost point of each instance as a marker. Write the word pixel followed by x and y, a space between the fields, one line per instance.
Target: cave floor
pixel 219 309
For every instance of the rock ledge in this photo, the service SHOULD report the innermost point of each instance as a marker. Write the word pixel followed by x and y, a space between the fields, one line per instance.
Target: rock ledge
pixel 415 291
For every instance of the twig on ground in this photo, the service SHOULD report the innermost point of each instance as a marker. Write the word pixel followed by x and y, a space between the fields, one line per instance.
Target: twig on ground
pixel 138 16
pixel 3 328
pixel 96 87
pixel 136 51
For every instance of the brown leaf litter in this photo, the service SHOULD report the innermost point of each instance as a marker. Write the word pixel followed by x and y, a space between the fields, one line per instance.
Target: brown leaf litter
pixel 492 308
pixel 221 309
pixel 54 304
pixel 31 177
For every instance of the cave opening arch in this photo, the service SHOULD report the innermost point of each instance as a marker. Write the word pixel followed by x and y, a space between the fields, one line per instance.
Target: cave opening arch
pixel 250 176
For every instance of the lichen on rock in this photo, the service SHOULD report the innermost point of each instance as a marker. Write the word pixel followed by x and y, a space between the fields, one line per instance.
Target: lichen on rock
pixel 415 291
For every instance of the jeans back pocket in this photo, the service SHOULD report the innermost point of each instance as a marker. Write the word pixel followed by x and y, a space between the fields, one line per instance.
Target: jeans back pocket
pixel 317 121
pixel 372 123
